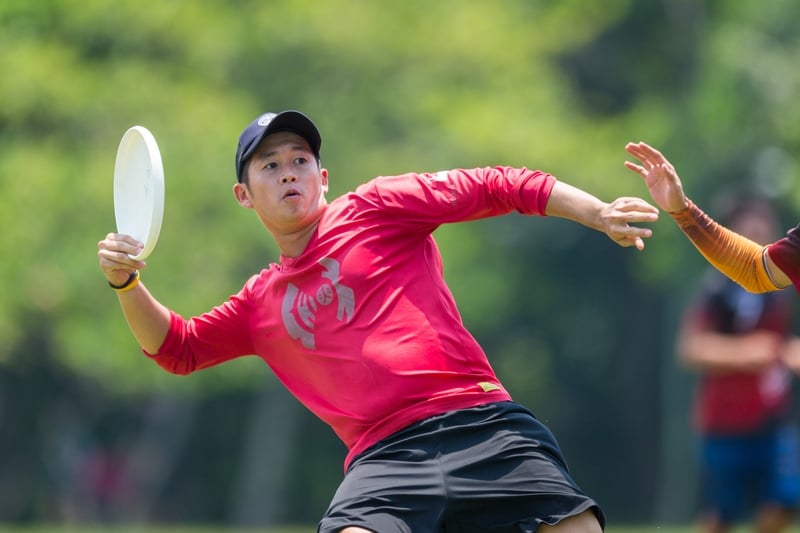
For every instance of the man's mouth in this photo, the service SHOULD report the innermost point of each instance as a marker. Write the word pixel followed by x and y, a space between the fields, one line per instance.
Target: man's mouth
pixel 291 193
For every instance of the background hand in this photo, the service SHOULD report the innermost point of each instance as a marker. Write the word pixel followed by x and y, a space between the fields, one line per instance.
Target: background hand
pixel 659 175
pixel 791 354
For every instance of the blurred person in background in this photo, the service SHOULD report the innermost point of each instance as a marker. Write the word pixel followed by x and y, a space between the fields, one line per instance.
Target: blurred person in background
pixel 739 342
pixel 357 321
pixel 736 341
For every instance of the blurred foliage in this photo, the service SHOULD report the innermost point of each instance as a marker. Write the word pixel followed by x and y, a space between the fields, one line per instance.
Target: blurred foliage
pixel 417 87
pixel 575 326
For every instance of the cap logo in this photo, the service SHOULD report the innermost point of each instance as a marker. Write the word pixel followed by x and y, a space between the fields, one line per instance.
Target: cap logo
pixel 265 119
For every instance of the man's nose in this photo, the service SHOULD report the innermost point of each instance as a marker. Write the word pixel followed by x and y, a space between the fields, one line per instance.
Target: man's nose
pixel 290 178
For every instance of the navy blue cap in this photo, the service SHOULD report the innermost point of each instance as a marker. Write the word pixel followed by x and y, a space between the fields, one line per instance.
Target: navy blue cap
pixel 263 125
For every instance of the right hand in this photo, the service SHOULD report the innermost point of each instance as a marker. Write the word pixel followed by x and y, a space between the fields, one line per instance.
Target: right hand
pixel 659 175
pixel 114 253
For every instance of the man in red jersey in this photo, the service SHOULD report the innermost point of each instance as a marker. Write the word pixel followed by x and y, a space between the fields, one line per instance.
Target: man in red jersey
pixel 357 322
pixel 756 267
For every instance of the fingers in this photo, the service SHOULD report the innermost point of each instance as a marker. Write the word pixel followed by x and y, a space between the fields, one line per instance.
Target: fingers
pixel 632 209
pixel 636 168
pixel 650 158
pixel 644 152
pixel 627 242
pixel 622 213
pixel 115 256
pixel 119 239
pixel 626 235
pixel 630 234
pixel 117 245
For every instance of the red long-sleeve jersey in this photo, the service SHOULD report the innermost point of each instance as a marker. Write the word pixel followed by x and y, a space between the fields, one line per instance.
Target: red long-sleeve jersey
pixel 361 327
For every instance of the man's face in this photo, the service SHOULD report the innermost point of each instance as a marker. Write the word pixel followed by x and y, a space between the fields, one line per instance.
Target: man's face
pixel 284 183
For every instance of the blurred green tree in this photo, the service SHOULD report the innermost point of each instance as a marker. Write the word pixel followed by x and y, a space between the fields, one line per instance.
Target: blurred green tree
pixel 579 329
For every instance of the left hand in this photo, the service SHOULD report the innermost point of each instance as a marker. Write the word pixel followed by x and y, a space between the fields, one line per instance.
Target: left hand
pixel 617 217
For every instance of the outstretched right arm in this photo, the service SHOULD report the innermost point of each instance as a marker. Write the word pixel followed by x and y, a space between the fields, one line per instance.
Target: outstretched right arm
pixel 147 318
pixel 747 263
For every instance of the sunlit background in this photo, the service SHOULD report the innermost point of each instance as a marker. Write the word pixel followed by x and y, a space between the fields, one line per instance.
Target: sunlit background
pixel 580 330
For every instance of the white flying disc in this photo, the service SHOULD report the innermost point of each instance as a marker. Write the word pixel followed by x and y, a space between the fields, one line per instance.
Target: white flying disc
pixel 139 188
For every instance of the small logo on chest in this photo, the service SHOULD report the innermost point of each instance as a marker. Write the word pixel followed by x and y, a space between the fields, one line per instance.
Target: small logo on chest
pixel 301 307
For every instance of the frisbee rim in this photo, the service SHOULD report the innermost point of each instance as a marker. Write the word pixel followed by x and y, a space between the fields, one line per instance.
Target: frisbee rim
pixel 136 143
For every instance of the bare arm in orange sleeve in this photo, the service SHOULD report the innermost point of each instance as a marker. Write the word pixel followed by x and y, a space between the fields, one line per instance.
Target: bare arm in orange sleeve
pixel 755 267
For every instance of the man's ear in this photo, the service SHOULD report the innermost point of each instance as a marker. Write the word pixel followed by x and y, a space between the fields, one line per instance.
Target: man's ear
pixel 324 173
pixel 242 195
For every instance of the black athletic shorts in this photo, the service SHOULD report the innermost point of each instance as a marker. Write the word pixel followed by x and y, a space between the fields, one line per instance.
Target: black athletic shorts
pixel 493 468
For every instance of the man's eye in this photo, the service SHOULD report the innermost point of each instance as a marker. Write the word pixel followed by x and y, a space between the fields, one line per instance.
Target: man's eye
pixel 300 161
pixel 271 165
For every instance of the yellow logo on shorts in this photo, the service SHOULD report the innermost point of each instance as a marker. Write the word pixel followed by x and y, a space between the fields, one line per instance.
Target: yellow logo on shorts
pixel 486 386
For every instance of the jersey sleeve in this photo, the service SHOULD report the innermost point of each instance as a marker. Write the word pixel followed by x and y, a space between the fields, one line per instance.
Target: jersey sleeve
pixel 461 195
pixel 786 254
pixel 739 258
pixel 206 340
